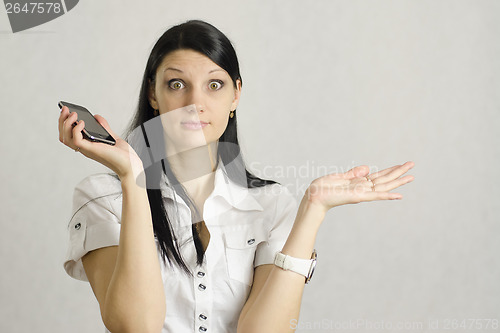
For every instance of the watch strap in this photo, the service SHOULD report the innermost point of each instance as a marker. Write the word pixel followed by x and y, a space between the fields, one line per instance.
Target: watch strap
pixel 304 267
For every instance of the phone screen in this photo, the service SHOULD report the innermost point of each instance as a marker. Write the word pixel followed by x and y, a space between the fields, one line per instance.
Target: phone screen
pixel 94 130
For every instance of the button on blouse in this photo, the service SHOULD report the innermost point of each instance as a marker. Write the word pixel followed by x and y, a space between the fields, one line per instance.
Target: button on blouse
pixel 247 227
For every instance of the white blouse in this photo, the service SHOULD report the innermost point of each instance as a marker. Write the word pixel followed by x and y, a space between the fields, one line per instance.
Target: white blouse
pixel 247 227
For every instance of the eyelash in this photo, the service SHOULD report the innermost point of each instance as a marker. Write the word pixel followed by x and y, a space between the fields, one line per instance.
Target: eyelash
pixel 219 82
pixel 171 82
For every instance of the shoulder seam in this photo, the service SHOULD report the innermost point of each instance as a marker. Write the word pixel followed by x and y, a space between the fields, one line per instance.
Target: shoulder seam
pixel 91 200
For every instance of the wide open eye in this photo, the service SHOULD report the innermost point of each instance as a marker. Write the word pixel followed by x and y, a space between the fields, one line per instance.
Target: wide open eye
pixel 215 85
pixel 175 84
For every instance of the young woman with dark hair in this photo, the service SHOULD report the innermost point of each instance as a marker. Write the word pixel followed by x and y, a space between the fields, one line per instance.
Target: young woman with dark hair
pixel 182 237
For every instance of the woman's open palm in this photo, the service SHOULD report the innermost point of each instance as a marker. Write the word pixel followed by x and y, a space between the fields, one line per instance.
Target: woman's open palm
pixel 357 185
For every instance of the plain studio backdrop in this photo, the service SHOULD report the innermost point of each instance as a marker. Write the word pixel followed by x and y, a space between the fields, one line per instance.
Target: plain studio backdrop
pixel 327 85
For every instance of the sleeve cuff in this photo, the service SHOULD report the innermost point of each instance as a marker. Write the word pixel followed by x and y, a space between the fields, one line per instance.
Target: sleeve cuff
pixel 94 237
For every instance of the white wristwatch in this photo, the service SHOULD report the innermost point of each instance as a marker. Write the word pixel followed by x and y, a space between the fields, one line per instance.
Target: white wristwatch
pixel 301 266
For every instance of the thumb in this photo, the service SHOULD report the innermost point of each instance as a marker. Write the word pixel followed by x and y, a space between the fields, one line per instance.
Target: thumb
pixel 357 172
pixel 105 124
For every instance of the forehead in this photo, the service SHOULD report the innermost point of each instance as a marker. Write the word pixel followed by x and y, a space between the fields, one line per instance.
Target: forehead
pixel 188 61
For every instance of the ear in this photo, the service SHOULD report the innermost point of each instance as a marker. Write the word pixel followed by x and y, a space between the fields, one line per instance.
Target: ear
pixel 237 94
pixel 152 95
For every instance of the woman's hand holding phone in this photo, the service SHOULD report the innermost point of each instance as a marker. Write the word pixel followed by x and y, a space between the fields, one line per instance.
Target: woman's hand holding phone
pixel 121 157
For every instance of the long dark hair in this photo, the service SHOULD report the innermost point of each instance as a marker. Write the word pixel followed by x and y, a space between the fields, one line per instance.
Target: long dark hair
pixel 206 39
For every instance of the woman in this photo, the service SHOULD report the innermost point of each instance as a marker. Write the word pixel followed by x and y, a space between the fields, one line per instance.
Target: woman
pixel 182 238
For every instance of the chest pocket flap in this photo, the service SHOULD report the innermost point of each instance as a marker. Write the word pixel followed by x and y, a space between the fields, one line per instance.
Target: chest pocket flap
pixel 240 246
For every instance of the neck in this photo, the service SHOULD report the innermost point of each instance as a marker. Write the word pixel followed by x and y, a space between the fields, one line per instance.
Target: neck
pixel 194 164
pixel 195 171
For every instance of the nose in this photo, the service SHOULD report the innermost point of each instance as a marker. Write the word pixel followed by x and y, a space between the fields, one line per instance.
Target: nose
pixel 196 99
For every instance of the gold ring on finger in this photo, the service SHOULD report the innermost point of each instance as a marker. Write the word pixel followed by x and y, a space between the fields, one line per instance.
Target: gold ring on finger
pixel 77 150
pixel 370 180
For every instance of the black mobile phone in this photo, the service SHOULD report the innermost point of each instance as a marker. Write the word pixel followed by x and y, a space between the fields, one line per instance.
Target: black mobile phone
pixel 93 131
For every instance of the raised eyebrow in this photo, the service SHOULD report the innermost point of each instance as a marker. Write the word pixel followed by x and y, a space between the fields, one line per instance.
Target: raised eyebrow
pixel 180 71
pixel 173 69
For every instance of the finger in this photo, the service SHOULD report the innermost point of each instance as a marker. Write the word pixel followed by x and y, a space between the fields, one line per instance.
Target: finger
pixel 357 172
pixel 385 187
pixel 62 117
pixel 375 175
pixel 374 196
pixel 68 124
pixel 106 126
pixel 78 140
pixel 394 174
pixel 76 131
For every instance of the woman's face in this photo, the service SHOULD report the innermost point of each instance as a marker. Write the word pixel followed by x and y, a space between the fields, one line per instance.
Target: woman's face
pixel 194 97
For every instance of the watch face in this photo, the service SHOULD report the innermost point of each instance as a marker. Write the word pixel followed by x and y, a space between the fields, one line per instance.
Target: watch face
pixel 314 256
pixel 311 272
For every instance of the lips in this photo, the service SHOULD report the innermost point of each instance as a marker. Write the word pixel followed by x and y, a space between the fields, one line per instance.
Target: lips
pixel 194 125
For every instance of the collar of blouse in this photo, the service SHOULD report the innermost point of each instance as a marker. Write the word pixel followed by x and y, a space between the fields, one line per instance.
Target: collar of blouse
pixel 233 194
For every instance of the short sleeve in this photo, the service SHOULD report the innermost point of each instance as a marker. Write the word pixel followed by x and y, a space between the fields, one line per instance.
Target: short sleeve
pixel 95 222
pixel 281 225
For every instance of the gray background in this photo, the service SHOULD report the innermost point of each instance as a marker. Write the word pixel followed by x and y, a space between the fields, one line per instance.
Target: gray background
pixel 327 85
